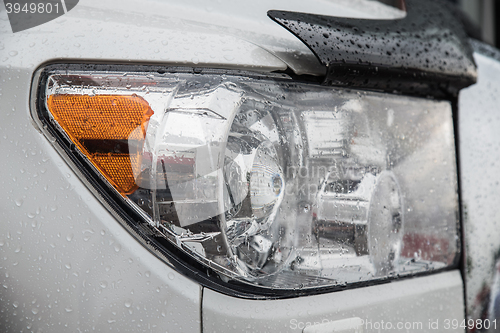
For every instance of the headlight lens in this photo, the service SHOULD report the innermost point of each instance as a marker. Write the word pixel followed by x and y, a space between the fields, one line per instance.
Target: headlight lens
pixel 267 181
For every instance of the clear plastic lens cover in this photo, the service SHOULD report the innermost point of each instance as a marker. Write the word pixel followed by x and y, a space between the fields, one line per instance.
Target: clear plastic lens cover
pixel 271 182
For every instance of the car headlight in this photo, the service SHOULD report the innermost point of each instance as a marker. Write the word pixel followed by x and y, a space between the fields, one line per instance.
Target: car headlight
pixel 265 180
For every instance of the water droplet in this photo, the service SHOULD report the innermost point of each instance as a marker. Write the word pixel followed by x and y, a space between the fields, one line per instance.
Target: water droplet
pixel 128 303
pixel 19 202
pixel 171 276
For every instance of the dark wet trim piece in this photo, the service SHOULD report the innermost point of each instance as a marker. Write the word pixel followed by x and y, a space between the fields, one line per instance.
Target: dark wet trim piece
pixel 485 49
pixel 425 53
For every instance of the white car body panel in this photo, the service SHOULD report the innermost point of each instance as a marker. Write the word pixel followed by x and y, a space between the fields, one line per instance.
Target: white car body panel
pixel 410 302
pixel 180 34
pixel 479 121
pixel 67 264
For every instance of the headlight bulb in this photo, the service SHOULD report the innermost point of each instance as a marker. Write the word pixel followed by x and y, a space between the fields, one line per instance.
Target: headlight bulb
pixel 254 189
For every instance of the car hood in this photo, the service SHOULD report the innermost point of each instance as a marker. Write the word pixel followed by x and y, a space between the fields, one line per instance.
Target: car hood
pixel 220 34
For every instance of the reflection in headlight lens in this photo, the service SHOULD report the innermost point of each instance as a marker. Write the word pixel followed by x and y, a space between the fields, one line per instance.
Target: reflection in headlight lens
pixel 275 183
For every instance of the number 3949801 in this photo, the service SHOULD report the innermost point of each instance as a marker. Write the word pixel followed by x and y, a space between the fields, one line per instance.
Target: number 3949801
pixel 32 8
pixel 470 324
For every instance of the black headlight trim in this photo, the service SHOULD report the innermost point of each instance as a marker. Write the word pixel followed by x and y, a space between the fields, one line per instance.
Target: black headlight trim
pixel 427 53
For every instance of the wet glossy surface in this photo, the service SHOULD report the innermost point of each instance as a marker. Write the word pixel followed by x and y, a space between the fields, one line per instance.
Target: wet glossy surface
pixel 479 142
pixel 419 305
pixel 429 45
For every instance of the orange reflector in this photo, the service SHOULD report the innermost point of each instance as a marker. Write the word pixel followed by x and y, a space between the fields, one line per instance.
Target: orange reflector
pixel 101 126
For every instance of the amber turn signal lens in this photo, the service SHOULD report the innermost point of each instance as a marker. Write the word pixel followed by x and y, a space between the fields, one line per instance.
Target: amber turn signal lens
pixel 102 126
